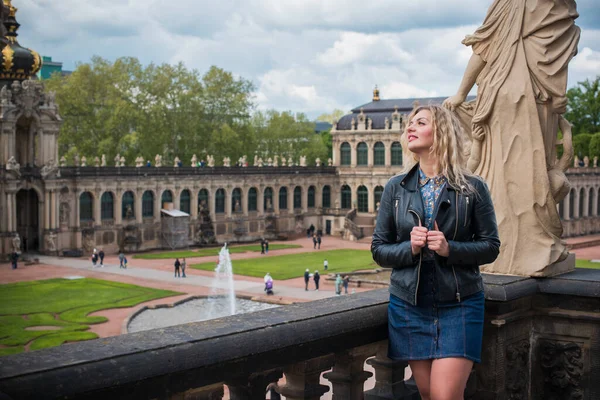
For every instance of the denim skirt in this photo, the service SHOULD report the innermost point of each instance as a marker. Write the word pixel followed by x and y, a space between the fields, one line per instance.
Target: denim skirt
pixel 434 329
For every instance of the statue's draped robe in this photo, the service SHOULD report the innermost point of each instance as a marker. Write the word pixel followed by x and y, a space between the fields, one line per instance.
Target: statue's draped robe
pixel 526 45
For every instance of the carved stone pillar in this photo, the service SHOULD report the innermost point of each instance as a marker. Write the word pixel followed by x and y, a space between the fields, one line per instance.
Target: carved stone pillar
pixel 335 154
pixel 370 149
pixel 138 206
pixel 194 204
pixel 304 199
pixel 252 387
pixel 275 200
pixel 98 209
pixel 353 155
pixel 118 207
pixel 46 210
pixel 389 378
pixel 245 201
pixel 228 203
pixel 260 200
pixel 388 154
pixel 302 379
pixel 348 375
pixel 212 200
pixel 157 205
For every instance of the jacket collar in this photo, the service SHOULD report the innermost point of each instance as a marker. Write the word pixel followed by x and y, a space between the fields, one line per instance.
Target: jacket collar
pixel 410 182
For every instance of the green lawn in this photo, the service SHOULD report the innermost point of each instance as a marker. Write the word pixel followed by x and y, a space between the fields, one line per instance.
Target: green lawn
pixel 63 304
pixel 293 265
pixel 586 264
pixel 214 251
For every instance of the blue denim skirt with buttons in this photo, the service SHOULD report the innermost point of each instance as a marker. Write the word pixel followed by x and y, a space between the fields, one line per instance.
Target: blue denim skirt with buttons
pixel 434 329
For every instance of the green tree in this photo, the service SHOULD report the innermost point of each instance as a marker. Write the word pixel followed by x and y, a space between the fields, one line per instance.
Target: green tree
pixel 583 108
pixel 581 144
pixel 594 149
pixel 333 117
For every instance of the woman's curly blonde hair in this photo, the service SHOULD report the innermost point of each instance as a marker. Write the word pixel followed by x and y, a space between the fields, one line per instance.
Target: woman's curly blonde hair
pixel 449 147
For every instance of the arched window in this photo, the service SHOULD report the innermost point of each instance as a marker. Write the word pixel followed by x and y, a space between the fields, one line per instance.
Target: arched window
pixel 326 196
pixel 582 203
pixel 220 201
pixel 283 198
pixel 363 199
pixel 107 206
pixel 396 153
pixel 591 202
pixel 345 156
pixel 203 199
pixel 362 154
pixel 346 197
pixel 572 204
pixel 148 204
pixel 252 199
pixel 268 199
pixel 297 197
pixel 128 205
pixel 236 200
pixel 167 197
pixel 379 154
pixel 86 207
pixel 311 197
pixel 184 201
pixel 377 193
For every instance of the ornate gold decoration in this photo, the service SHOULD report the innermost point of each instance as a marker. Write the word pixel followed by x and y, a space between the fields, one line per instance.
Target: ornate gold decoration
pixel 37 61
pixel 12 8
pixel 376 94
pixel 8 54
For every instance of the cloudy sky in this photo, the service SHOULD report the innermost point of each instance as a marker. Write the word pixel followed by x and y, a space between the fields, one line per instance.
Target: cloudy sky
pixel 308 56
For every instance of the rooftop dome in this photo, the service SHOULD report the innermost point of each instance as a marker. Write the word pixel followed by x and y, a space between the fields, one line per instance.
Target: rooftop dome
pixel 16 62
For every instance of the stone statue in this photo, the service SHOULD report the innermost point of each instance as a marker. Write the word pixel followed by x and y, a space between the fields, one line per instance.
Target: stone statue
pixel 211 160
pixel 290 162
pixel 76 160
pixel 158 160
pixel 227 162
pixel 303 161
pixel 283 161
pixel 255 161
pixel 244 161
pixel 128 211
pixel 194 161
pixel 103 162
pixel 176 162
pixel 269 204
pixel 586 161
pixel 122 161
pixel 318 162
pixel 576 162
pixel 96 162
pixel 329 162
pixel 270 162
pixel 260 162
pixel 117 160
pixel 16 244
pixel 48 168
pixel 13 165
pixel 83 161
pixel 63 161
pixel 5 96
pixel 237 207
pixel 386 123
pixel 51 242
pixel 139 162
pixel 276 161
pixel 521 71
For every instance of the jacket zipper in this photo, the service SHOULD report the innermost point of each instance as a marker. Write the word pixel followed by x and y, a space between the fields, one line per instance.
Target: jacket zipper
pixel 466 209
pixel 454 237
pixel 420 258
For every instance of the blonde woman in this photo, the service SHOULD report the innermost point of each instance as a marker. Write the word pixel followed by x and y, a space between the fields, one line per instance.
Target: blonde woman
pixel 436 225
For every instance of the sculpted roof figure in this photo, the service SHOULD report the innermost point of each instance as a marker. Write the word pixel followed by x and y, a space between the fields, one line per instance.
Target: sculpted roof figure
pixel 519 61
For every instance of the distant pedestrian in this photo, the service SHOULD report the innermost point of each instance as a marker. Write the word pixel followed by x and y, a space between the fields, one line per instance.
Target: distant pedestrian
pixel 338 284
pixel 183 265
pixel 319 242
pixel 325 264
pixel 177 266
pixel 124 262
pixel 94 257
pixel 345 282
pixel 262 246
pixel 306 279
pixel 14 257
pixel 266 246
pixel 101 255
pixel 316 277
pixel 121 259
pixel 314 242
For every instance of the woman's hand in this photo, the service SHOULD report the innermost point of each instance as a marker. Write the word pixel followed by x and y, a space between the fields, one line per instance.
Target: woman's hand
pixel 452 102
pixel 437 242
pixel 418 239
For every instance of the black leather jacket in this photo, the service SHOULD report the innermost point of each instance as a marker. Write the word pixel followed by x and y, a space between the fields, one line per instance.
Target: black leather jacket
pixel 467 221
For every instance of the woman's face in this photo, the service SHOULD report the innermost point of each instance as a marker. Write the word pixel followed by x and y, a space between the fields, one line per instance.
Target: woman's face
pixel 419 132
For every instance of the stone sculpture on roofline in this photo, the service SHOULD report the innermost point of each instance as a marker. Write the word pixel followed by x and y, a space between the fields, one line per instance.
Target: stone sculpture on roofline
pixel 521 71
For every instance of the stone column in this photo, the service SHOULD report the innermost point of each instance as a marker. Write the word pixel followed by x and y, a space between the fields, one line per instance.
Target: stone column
pixel 348 375
pixel 576 211
pixel 46 210
pixel 371 199
pixel 138 206
pixel 388 154
pixel 252 387
pixel 118 207
pixel 335 153
pixel 157 205
pixel 77 211
pixel 304 199
pixel 370 156
pixel 389 378
pixel 98 209
pixel 586 203
pixel 228 203
pixel 54 210
pixel 194 204
pixel 245 201
pixel 595 203
pixel 353 154
pixel 319 195
pixel 260 200
pixel 212 200
pixel 10 211
pixel 290 199
pixel 302 379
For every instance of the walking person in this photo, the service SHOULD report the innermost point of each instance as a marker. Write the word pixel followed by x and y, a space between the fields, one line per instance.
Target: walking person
pixel 183 265
pixel 177 266
pixel 325 264
pixel 121 259
pixel 306 279
pixel 338 284
pixel 316 277
pixel 101 255
pixel 345 282
pixel 319 242
pixel 266 247
pixel 436 224
pixel 314 242
pixel 262 246
pixel 14 257
pixel 94 258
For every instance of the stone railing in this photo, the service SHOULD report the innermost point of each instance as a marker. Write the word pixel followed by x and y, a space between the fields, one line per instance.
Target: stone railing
pixel 541 341
pixel 349 225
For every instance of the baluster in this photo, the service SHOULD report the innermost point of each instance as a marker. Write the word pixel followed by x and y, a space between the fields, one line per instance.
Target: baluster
pixel 254 386
pixel 389 378
pixel 348 375
pixel 302 379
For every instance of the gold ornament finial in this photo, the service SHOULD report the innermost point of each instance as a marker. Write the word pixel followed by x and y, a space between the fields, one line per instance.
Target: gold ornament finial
pixel 376 94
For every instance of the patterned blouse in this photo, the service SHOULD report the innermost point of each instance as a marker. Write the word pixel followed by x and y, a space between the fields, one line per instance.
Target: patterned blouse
pixel 430 192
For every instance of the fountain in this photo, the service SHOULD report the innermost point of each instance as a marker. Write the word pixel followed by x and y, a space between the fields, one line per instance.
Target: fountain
pixel 223 280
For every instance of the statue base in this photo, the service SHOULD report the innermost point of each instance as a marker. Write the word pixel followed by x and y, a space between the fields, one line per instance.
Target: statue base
pixel 560 267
